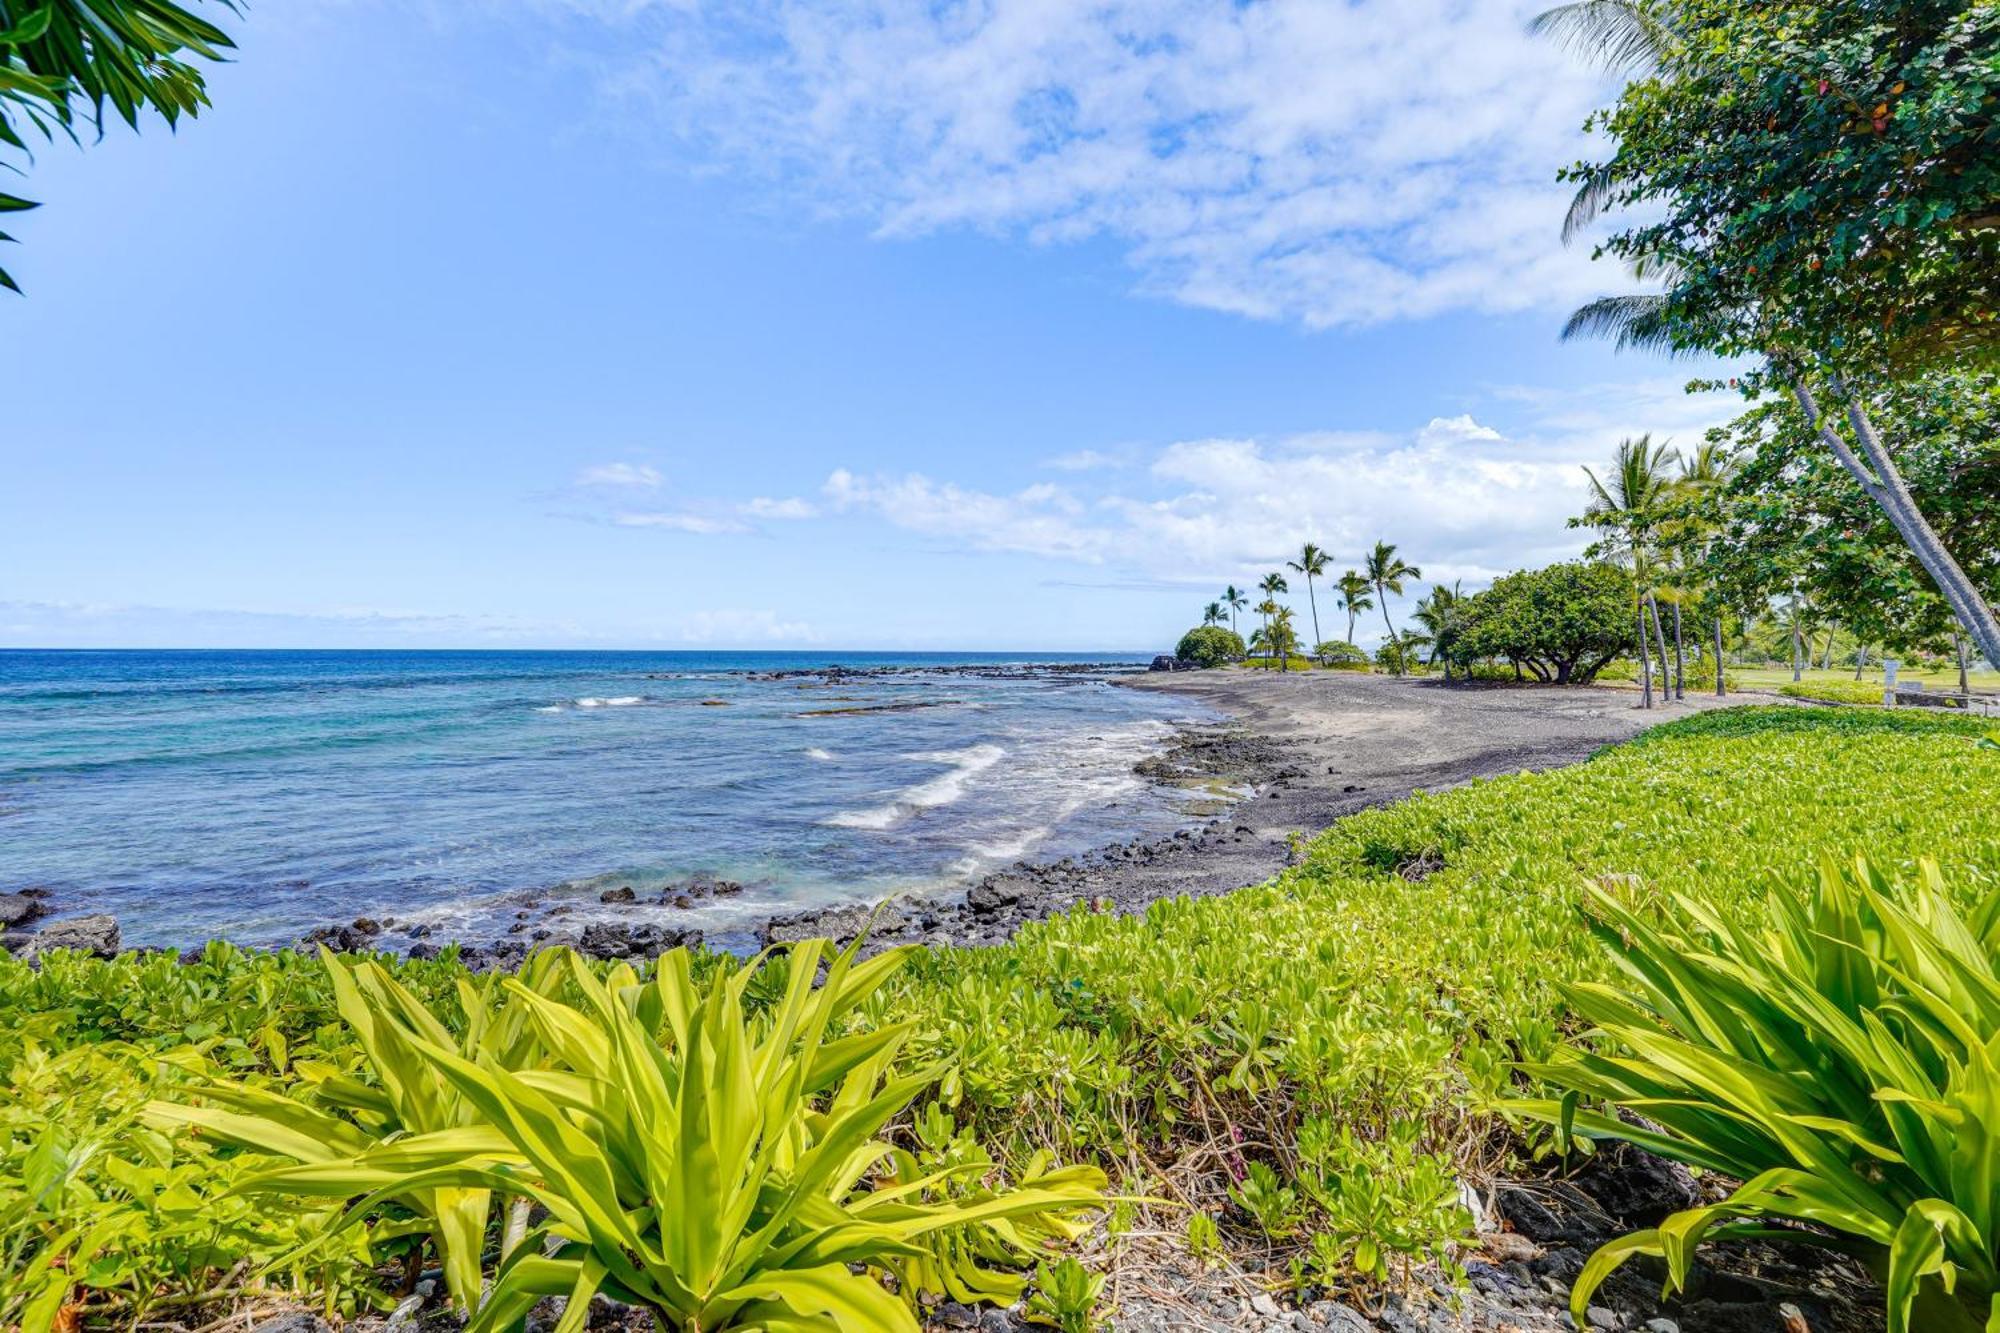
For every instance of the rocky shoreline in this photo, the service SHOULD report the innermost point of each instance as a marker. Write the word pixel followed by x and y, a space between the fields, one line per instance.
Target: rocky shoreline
pixel 1295 754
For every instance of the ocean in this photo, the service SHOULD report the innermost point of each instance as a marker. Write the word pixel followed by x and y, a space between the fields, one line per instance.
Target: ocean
pixel 254 795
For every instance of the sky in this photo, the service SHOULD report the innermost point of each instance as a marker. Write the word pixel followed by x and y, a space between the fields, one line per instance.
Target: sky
pixel 1020 324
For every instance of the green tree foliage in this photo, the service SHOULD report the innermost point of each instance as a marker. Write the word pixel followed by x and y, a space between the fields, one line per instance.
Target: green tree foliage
pixel 1209 646
pixel 63 62
pixel 1385 572
pixel 1815 176
pixel 1790 517
pixel 1561 624
pixel 1814 184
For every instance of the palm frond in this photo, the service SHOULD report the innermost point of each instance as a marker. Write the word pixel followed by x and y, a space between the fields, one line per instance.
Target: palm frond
pixel 1620 34
pixel 1638 321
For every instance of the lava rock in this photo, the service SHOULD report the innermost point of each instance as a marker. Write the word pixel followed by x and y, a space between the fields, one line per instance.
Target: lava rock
pixel 18 909
pixel 95 934
pixel 624 895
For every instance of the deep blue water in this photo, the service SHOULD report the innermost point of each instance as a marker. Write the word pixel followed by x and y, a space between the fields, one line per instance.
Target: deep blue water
pixel 255 794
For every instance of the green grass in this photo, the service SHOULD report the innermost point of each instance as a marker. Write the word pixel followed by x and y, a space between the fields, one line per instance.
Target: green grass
pixel 1314 1053
pixel 1770 678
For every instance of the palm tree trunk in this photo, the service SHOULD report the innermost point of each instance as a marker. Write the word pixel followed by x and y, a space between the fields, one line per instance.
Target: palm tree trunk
pixel 1798 673
pixel 1720 688
pixel 1660 640
pixel 1313 602
pixel 1350 624
pixel 1891 494
pixel 1860 659
pixel 1645 659
pixel 1680 657
pixel 1964 677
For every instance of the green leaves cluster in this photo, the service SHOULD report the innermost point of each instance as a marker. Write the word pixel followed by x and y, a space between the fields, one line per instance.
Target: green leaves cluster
pixel 1209 646
pixel 1812 176
pixel 1841 1058
pixel 1563 624
pixel 62 61
pixel 1350 1017
pixel 711 1165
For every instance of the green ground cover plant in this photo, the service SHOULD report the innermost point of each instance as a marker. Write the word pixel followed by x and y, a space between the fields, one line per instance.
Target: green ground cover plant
pixel 1837 1057
pixel 1308 1068
pixel 1834 691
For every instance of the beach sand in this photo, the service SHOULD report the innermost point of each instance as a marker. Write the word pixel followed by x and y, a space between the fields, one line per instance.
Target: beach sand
pixel 1302 749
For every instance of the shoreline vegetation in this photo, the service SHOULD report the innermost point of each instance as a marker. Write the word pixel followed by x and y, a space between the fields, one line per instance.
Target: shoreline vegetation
pixel 1322 1158
pixel 1593 1020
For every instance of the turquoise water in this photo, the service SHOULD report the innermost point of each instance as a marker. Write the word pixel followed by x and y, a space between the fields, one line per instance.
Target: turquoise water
pixel 253 795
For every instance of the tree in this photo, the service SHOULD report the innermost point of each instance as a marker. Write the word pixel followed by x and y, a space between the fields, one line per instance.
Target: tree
pixel 1386 571
pixel 1564 624
pixel 1789 517
pixel 1233 598
pixel 1283 638
pixel 1209 646
pixel 1630 504
pixel 1271 585
pixel 62 61
pixel 1212 614
pixel 1354 597
pixel 1312 564
pixel 1815 185
pixel 1441 613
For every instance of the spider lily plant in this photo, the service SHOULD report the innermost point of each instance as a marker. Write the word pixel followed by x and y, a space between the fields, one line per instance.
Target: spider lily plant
pixel 723 1168
pixel 409 1097
pixel 1842 1061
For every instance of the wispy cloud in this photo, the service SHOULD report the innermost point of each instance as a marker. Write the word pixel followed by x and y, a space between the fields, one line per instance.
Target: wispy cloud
pixel 621 476
pixel 745 627
pixel 700 525
pixel 791 507
pixel 1332 164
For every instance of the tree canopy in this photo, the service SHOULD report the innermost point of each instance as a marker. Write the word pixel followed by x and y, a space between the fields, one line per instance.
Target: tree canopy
pixel 1791 520
pixel 1821 176
pixel 1562 624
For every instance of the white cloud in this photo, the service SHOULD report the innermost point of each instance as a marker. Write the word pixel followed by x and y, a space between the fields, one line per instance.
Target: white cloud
pixel 791 507
pixel 1039 520
pixel 1333 164
pixel 745 627
pixel 626 476
pixel 699 525
pixel 1462 499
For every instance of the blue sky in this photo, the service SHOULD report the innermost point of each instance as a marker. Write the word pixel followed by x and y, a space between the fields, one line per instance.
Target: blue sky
pixel 624 323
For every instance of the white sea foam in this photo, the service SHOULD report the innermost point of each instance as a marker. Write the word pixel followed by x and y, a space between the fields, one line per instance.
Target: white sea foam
pixel 552 708
pixel 824 756
pixel 944 789
pixel 620 701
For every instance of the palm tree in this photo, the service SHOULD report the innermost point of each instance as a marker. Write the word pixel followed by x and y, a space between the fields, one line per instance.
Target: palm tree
pixel 1439 614
pixel 1354 599
pixel 1212 614
pixel 1312 564
pixel 1386 571
pixel 1233 598
pixel 1272 584
pixel 1628 503
pixel 1267 609
pixel 1282 636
